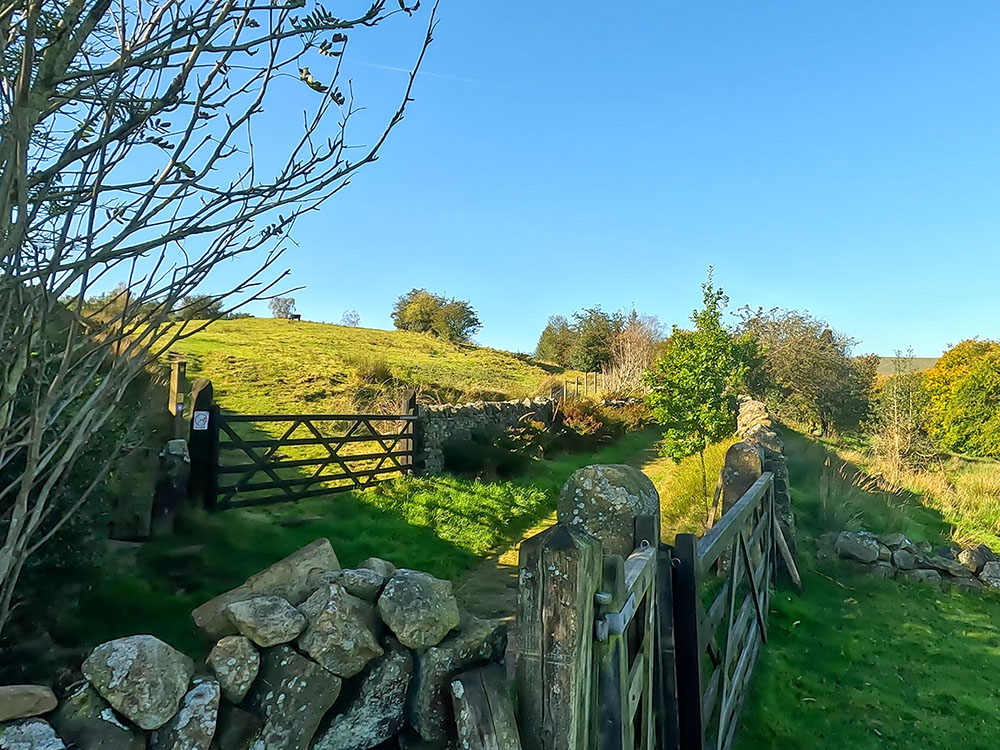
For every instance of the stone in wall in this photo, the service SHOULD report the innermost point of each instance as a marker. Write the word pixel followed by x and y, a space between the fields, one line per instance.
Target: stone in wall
pixel 604 501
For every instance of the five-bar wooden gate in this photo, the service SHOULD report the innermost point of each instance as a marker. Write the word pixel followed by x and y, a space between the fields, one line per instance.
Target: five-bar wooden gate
pixel 257 459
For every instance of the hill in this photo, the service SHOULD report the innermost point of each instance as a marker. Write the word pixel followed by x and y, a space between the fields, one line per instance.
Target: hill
pixel 886 364
pixel 264 365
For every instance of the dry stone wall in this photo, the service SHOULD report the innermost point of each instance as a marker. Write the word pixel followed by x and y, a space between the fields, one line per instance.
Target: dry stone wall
pixel 305 656
pixel 894 556
pixel 760 449
pixel 443 423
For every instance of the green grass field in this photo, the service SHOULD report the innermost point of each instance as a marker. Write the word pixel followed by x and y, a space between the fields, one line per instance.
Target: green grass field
pixel 857 662
pixel 440 524
pixel 265 366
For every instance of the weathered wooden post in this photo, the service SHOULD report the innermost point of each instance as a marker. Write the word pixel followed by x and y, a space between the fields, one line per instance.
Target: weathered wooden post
pixel 484 717
pixel 203 445
pixel 560 571
pixel 578 386
pixel 411 428
pixel 687 642
pixel 178 392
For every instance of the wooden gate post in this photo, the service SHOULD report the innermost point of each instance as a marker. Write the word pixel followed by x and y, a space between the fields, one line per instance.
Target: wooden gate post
pixel 203 445
pixel 560 572
pixel 178 392
pixel 412 443
pixel 665 670
pixel 687 643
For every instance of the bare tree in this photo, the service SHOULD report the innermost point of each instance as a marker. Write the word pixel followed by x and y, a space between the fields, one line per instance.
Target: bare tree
pixel 633 350
pixel 128 153
pixel 282 307
pixel 350 318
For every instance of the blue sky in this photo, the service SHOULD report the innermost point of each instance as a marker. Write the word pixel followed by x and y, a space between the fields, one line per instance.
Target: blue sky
pixel 841 157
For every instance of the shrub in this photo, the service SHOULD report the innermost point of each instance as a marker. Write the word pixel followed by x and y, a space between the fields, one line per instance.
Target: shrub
pixel 420 311
pixel 963 389
pixel 370 369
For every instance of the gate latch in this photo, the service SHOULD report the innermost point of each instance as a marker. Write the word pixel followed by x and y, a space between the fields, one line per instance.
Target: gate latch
pixel 613 623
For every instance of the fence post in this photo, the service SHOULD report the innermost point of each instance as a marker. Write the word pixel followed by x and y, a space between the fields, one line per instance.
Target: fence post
pixel 560 571
pixel 408 408
pixel 578 386
pixel 687 643
pixel 665 669
pixel 203 445
pixel 178 392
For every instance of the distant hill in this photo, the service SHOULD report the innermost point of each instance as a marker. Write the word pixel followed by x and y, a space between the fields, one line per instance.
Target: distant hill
pixel 886 364
pixel 264 365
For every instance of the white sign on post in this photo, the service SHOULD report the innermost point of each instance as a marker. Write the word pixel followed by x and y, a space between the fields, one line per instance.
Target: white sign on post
pixel 199 421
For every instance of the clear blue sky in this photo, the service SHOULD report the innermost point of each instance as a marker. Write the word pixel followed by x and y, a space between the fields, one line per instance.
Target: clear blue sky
pixel 842 157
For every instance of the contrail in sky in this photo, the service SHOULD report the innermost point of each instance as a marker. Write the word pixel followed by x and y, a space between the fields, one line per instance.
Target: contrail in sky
pixel 419 72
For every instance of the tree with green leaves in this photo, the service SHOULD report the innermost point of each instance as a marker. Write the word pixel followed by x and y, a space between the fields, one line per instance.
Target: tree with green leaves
pixel 694 384
pixel 963 389
pixel 595 332
pixel 420 311
pixel 556 341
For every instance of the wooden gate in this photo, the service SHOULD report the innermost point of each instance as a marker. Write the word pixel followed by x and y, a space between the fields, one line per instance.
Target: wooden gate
pixel 653 650
pixel 718 644
pixel 258 459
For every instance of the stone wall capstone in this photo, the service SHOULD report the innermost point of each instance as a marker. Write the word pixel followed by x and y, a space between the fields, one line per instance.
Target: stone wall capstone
pixel 442 423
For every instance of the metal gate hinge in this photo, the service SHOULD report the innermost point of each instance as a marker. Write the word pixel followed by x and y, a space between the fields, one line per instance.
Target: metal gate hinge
pixel 614 623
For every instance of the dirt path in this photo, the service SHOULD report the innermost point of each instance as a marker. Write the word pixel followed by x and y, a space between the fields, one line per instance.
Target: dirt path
pixel 490 588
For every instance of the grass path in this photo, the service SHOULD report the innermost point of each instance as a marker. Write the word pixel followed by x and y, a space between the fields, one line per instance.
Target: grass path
pixel 856 662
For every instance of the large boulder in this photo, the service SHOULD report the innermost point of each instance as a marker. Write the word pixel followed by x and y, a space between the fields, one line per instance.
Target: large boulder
pixel 604 501
pixel 287 578
pixel 141 677
pixel 476 643
pixel 235 662
pixel 338 635
pixel 418 608
pixel 33 734
pixel 857 545
pixel 194 725
pixel 990 575
pixel 266 620
pixel 975 558
pixel 375 713
pixel 25 701
pixel 85 720
pixel 291 695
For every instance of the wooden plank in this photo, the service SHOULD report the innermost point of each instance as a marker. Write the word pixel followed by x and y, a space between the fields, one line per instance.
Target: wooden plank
pixel 307 462
pixel 613 727
pixel 664 669
pixel 306 481
pixel 688 647
pixel 484 715
pixel 786 555
pixel 559 571
pixel 320 417
pixel 719 537
pixel 257 443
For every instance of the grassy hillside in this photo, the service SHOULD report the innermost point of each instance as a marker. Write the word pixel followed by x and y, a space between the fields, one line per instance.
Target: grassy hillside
pixel 263 365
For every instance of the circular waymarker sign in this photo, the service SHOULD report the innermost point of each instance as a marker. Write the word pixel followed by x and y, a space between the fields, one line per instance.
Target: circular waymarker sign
pixel 199 421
